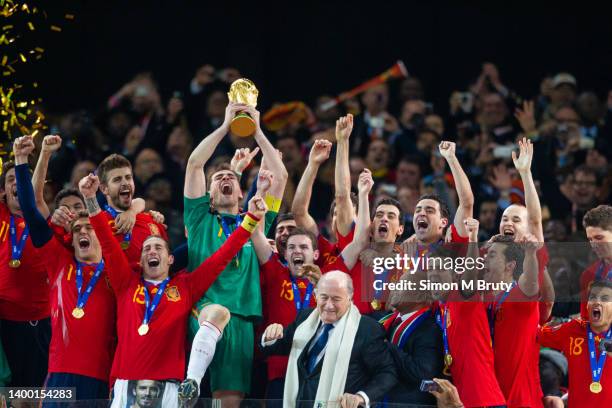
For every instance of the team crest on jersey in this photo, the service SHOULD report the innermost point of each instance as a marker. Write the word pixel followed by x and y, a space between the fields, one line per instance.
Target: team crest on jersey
pixel 154 229
pixel 172 293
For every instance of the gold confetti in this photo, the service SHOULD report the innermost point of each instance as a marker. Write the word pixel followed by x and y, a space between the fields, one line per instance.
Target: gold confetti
pixel 69 16
pixel 39 49
pixel 23 58
pixel 4 59
pixel 30 25
pixel 56 28
pixel 22 104
pixel 7 27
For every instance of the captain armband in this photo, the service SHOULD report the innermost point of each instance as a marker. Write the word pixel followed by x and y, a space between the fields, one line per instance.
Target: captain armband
pixel 249 222
pixel 273 203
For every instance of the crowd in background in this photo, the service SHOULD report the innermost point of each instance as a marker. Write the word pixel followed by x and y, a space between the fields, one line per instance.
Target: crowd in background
pixel 396 135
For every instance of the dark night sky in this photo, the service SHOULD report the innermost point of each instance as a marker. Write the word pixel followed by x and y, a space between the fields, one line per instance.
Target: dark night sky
pixel 299 51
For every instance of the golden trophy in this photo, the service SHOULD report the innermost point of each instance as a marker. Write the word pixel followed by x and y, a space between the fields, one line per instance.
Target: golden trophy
pixel 243 91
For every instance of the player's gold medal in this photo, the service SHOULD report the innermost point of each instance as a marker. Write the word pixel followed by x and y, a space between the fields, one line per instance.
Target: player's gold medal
pixel 595 387
pixel 143 329
pixel 14 263
pixel 78 312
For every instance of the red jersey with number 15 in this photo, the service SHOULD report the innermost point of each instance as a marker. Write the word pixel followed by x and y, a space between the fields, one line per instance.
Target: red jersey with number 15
pixel 159 354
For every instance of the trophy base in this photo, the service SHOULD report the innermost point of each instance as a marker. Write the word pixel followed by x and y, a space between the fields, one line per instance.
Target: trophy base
pixel 243 125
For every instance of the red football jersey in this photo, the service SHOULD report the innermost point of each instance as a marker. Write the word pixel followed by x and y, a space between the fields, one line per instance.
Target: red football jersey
pixel 144 227
pixel 279 305
pixel 79 346
pixel 24 291
pixel 571 339
pixel 328 251
pixel 469 341
pixel 517 350
pixel 160 354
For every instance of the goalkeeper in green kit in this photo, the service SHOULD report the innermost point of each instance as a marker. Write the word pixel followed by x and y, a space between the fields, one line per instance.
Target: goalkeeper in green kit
pixel 210 217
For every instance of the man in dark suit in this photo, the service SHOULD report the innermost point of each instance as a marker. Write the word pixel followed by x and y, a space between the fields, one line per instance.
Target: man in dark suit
pixel 415 341
pixel 326 333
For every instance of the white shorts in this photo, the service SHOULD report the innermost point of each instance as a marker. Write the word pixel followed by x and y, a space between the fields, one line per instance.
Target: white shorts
pixel 145 393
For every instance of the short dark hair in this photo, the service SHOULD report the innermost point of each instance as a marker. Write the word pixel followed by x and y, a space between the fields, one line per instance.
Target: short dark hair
pixel 68 192
pixel 5 168
pixel 160 237
pixel 288 216
pixel 444 211
pixel 309 234
pixel 112 162
pixel 393 202
pixel 512 252
pixel 600 283
pixel 218 168
pixel 600 216
pixel 79 215
pixel 354 201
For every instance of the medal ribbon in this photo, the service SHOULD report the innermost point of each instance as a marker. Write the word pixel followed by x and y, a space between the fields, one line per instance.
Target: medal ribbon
pixel 82 297
pixel 441 319
pixel 127 237
pixel 378 292
pixel 494 307
pixel 599 272
pixel 17 247
pixel 596 365
pixel 297 298
pixel 227 232
pixel 151 306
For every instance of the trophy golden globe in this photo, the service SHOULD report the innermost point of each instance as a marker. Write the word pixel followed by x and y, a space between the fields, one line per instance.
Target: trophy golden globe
pixel 243 91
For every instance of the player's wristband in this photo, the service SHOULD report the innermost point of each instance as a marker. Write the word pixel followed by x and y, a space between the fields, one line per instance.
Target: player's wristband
pixel 273 203
pixel 250 222
pixel 238 174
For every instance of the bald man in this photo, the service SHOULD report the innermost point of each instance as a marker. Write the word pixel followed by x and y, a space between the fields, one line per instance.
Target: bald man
pixel 317 342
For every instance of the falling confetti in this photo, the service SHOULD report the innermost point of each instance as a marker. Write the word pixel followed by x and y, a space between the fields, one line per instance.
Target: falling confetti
pixel 21 44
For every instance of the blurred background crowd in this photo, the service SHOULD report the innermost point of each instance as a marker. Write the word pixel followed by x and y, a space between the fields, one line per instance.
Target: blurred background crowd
pixel 479 76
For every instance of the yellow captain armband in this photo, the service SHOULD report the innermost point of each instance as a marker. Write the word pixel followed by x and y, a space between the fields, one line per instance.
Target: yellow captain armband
pixel 272 202
pixel 249 222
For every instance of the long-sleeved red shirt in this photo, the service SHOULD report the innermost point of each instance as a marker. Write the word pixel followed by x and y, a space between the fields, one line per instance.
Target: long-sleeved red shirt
pixel 160 354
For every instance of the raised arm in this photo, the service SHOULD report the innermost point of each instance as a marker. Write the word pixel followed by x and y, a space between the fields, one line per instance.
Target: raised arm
pixel 345 212
pixel 471 226
pixel 50 144
pixel 274 161
pixel 528 281
pixel 40 232
pixel 195 180
pixel 265 179
pixel 119 269
pixel 532 201
pixel 350 254
pixel 465 208
pixel 208 271
pixel 301 200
